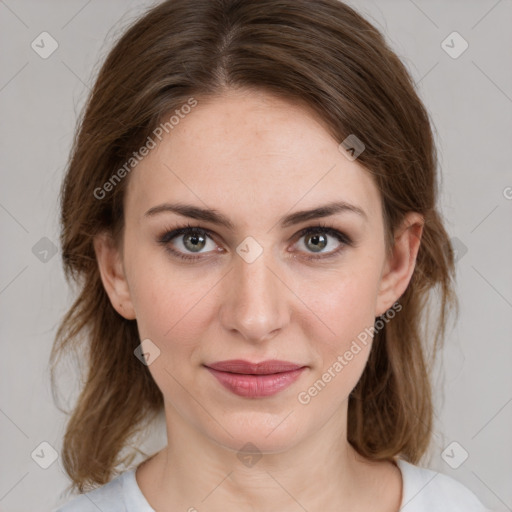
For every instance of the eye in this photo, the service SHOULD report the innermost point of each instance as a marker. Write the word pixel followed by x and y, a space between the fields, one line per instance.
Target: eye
pixel 317 238
pixel 194 239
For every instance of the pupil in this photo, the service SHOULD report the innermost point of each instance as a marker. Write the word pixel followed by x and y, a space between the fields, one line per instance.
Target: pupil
pixel 196 239
pixel 315 239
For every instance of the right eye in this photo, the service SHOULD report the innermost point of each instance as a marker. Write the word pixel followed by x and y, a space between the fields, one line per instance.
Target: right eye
pixel 193 239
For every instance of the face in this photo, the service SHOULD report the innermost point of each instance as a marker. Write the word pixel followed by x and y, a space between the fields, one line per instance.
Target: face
pixel 259 288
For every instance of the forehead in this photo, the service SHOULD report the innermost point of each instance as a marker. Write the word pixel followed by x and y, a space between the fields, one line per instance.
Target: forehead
pixel 247 154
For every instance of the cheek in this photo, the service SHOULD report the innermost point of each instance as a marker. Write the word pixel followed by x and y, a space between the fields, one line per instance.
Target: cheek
pixel 339 325
pixel 174 305
pixel 168 296
pixel 338 328
pixel 340 305
pixel 170 301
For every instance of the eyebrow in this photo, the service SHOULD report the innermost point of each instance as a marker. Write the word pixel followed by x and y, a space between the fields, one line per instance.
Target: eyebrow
pixel 215 217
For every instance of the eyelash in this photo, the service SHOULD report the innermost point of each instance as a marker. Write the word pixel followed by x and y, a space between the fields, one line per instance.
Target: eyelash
pixel 170 234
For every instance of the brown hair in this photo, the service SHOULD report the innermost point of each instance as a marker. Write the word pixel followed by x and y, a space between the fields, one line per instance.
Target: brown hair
pixel 318 52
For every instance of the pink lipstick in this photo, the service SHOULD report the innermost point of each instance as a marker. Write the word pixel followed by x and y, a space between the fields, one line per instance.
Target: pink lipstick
pixel 253 380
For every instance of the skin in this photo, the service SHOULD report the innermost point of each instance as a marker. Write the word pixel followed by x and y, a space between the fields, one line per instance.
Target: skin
pixel 255 158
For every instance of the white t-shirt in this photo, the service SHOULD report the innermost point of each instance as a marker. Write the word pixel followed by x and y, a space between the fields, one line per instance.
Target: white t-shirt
pixel 424 490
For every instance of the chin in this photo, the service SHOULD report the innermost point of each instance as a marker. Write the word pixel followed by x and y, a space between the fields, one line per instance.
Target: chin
pixel 258 433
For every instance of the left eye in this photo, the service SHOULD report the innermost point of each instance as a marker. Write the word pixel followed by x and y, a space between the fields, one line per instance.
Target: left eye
pixel 194 239
pixel 316 239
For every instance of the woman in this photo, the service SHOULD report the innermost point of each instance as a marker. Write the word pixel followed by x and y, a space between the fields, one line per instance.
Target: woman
pixel 250 213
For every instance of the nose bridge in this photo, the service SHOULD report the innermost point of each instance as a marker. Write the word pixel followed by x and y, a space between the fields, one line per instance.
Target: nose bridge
pixel 256 303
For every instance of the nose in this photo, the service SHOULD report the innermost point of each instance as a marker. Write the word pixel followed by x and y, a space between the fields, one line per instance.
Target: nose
pixel 256 299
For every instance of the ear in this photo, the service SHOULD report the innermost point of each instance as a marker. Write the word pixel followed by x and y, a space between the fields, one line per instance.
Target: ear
pixel 399 265
pixel 113 275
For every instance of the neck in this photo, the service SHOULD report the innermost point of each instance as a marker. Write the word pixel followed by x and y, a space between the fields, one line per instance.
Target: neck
pixel 194 472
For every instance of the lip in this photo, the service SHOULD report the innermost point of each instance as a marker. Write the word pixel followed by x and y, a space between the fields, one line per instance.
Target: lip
pixel 263 368
pixel 253 380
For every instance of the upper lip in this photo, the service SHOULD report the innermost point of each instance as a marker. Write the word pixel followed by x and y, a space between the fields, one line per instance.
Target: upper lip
pixel 263 368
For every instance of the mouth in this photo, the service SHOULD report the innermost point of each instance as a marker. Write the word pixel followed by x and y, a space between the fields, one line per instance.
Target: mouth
pixel 254 380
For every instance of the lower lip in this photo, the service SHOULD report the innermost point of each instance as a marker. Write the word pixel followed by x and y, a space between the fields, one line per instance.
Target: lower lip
pixel 254 386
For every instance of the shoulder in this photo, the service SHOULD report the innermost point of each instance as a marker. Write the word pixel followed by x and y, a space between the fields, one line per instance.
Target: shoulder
pixel 107 498
pixel 426 490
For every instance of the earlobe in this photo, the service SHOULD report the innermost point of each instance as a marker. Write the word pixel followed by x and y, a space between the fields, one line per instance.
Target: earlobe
pixel 399 266
pixel 113 275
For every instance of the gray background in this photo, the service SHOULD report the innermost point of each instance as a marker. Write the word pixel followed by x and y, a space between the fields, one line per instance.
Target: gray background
pixel 470 101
